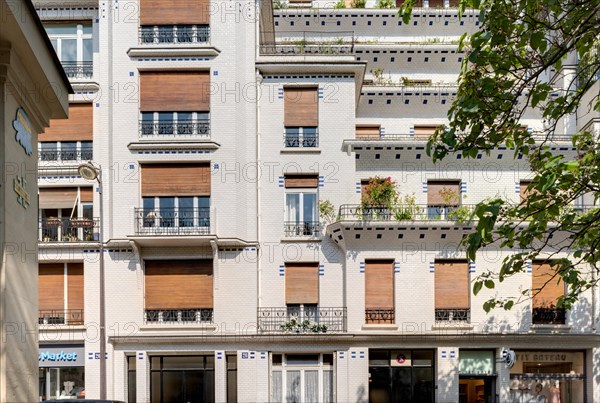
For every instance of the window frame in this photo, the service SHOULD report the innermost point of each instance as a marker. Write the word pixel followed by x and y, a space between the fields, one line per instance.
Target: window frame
pixel 309 228
pixel 321 367
pixel 79 36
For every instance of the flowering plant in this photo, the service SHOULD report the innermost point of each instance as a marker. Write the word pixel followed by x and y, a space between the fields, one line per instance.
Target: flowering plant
pixel 380 192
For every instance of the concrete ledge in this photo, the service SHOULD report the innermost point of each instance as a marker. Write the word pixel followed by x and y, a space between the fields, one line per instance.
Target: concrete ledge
pixel 379 326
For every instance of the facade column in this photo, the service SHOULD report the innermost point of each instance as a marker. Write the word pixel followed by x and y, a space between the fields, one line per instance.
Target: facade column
pixel 220 377
pixel 447 375
pixel 142 377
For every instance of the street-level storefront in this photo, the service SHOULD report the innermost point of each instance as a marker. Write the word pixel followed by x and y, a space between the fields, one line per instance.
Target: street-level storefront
pixel 477 376
pixel 182 378
pixel 401 376
pixel 61 372
pixel 548 377
pixel 307 377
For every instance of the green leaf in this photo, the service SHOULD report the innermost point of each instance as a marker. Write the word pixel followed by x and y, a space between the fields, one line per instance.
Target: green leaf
pixel 477 287
pixel 489 284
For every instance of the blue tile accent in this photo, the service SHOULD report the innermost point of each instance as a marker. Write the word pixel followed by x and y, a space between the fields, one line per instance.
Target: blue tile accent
pixel 281 181
pixel 431 267
pixel 281 270
pixel 424 187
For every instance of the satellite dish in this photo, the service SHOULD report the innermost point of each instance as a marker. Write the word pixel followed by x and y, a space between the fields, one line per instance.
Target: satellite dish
pixel 88 172
pixel 509 357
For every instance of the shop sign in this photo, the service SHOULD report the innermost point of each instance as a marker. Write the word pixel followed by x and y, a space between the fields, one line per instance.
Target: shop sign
pixel 542 356
pixel 24 134
pixel 19 184
pixel 472 362
pixel 400 359
pixel 61 356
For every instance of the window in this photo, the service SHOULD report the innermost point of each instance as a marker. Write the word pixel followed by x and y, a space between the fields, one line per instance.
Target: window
pixel 302 291
pixel 187 34
pixel 452 290
pixel 231 361
pixel 66 214
pixel 301 117
pixel 57 281
pixel 131 379
pixel 182 379
pixel 171 123
pixel 181 22
pixel 424 131
pixel 69 139
pixel 301 137
pixel 301 205
pixel 302 378
pixel 443 197
pixel 66 151
pixel 73 45
pixel 379 291
pixel 371 132
pixel 547 287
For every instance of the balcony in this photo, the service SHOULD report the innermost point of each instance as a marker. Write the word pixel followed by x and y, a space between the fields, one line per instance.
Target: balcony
pixel 548 316
pixel 301 229
pixel 172 221
pixel 174 34
pixel 178 316
pixel 68 229
pixel 310 43
pixel 307 320
pixel 78 70
pixel 181 127
pixel 380 316
pixel 83 153
pixel 61 317
pixel 453 315
pixel 416 212
pixel 301 139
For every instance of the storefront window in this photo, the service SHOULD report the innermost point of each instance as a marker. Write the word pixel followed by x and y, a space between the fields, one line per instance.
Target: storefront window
pixel 302 378
pixel 548 377
pixel 131 379
pixel 477 378
pixel 182 378
pixel 62 372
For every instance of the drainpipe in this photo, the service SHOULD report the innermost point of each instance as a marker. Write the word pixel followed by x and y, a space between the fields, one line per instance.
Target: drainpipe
pixel 258 160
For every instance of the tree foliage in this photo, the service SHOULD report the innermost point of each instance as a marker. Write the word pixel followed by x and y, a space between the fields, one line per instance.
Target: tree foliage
pixel 532 57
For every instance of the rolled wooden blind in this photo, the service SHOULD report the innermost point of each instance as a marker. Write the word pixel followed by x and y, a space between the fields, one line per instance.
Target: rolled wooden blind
pixel 57 197
pixel 78 127
pixel 301 181
pixel 368 131
pixel 434 197
pixel 424 131
pixel 176 179
pixel 379 284
pixel 542 276
pixel 75 285
pixel 301 283
pixel 452 288
pixel 301 106
pixel 436 3
pixel 172 91
pixel 179 284
pixel 51 286
pixel 86 195
pixel 163 12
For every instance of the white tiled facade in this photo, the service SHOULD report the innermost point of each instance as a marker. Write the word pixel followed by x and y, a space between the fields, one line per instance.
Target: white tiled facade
pixel 246 238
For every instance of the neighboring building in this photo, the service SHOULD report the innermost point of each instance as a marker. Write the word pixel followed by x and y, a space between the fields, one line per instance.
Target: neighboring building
pixel 33 90
pixel 221 130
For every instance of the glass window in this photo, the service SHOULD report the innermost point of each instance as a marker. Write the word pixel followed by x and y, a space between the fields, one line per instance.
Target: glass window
pixel 131 379
pixel 232 378
pixel 68 151
pixel 301 213
pixel 184 123
pixel 167 211
pixel 302 378
pixel 182 379
pixel 165 123
pixel 48 152
pixel 88 49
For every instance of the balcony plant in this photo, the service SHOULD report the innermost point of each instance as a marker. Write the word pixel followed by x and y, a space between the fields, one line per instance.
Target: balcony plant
pixel 379 198
pixel 327 212
pixel 460 213
pixel 295 325
pixel 386 4
pixel 406 209
pixel 53 222
pixel 359 3
pixel 340 4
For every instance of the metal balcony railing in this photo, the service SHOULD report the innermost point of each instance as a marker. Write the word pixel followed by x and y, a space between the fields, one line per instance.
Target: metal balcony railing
pixel 548 316
pixel 306 228
pixel 380 315
pixel 416 212
pixel 172 221
pixel 60 317
pixel 411 137
pixel 183 127
pixel 301 140
pixel 453 314
pixel 84 153
pixel 310 43
pixel 175 316
pixel 78 69
pixel 68 229
pixel 307 320
pixel 173 34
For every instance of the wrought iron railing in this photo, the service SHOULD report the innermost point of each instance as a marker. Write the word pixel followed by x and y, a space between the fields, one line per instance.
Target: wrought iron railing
pixel 68 229
pixel 186 34
pixel 190 127
pixel 60 317
pixel 306 228
pixel 413 212
pixel 83 153
pixel 420 137
pixel 301 140
pixel 380 315
pixel 548 316
pixel 294 320
pixel 78 69
pixel 171 316
pixel 453 314
pixel 310 43
pixel 172 221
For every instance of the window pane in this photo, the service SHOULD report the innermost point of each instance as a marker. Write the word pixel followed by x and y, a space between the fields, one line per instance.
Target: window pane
pixel 61 29
pixel 302 359
pixel 310 207
pixel 293 386
pixel 184 123
pixel 311 386
pixel 209 386
pixel 88 48
pixel 292 203
pixel 68 151
pixel 48 152
pixel 277 359
pixel 422 358
pixel 231 361
pixel 165 123
pixel 186 211
pixel 379 384
pixel 379 357
pixel 232 386
pixel 68 52
pixel 172 387
pixel 54 45
pixel 88 212
pixel 179 362
pixel 155 387
pixel 327 359
pixel 423 385
pixel 276 380
pixel 327 386
pixel 194 386
pixel 87 28
pixel 402 384
pixel 167 211
pixel 131 387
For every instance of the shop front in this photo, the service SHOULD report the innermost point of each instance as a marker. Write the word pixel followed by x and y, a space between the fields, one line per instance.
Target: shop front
pixel 62 372
pixel 477 376
pixel 548 377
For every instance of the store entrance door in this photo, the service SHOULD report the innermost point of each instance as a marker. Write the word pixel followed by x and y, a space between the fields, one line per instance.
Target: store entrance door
pixel 477 389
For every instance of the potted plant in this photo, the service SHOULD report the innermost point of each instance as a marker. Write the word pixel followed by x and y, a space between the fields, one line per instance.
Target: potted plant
pixel 379 197
pixel 53 222
pixel 406 209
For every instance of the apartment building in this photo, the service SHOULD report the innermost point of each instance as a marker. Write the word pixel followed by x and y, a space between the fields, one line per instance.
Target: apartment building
pixel 222 131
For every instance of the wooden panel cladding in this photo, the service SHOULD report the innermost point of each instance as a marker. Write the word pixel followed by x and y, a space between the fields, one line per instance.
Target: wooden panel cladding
pixel 302 283
pixel 302 181
pixel 435 189
pixel 544 278
pixel 164 12
pixel 86 195
pixel 62 197
pixel 452 288
pixel 524 193
pixel 425 131
pixel 178 284
pixel 170 91
pixel 372 132
pixel 78 127
pixel 75 285
pixel 51 286
pixel 301 106
pixel 379 284
pixel 176 179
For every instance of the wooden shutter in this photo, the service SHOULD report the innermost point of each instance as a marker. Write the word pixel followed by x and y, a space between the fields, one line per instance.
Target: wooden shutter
pixel 75 286
pixel 524 193
pixel 379 284
pixel 86 195
pixel 176 179
pixel 368 132
pixel 548 296
pixel 165 12
pixel 434 197
pixel 57 197
pixel 179 284
pixel 78 127
pixel 425 131
pixel 300 106
pixel 452 288
pixel 51 286
pixel 301 181
pixel 436 3
pixel 301 283
pixel 173 91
